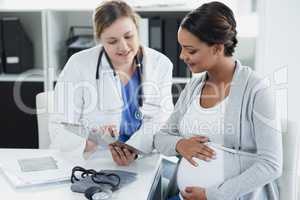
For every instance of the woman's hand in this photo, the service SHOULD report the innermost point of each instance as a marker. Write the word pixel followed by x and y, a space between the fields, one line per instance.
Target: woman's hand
pixel 195 147
pixel 122 157
pixel 194 193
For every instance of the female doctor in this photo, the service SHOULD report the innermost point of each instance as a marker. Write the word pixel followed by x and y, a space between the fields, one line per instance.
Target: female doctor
pixel 118 87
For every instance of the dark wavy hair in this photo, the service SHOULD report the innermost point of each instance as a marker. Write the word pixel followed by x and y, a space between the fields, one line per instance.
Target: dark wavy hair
pixel 213 23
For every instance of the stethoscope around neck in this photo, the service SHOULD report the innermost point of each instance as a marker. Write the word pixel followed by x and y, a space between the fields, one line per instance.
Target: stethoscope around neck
pixel 139 66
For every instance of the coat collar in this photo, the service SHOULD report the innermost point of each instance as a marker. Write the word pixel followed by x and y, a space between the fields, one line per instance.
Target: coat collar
pixel 104 64
pixel 232 122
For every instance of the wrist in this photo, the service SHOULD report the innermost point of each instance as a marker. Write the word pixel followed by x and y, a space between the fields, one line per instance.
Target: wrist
pixel 178 145
pixel 90 146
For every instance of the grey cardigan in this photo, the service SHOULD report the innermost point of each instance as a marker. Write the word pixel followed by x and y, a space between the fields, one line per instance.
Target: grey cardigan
pixel 251 125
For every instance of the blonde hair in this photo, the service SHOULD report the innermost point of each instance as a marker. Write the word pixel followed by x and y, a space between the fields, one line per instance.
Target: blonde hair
pixel 108 12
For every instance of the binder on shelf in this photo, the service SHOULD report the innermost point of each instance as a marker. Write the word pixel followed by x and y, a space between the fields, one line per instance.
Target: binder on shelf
pixel 17 46
pixel 171 46
pixel 79 41
pixel 1 50
pixel 155 34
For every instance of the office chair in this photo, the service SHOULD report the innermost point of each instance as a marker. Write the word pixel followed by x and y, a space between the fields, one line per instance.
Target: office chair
pixel 44 105
pixel 288 182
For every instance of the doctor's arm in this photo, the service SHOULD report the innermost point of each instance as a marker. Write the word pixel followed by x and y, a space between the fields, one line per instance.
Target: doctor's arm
pixel 268 165
pixel 159 112
pixel 67 107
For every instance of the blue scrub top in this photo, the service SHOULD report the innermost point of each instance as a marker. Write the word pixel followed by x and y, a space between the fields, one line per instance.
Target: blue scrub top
pixel 130 121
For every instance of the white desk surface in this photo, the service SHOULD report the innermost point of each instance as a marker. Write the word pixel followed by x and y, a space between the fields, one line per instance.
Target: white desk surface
pixel 146 168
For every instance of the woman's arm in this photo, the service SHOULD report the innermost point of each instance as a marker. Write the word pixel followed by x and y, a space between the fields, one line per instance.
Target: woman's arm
pixel 268 165
pixel 166 138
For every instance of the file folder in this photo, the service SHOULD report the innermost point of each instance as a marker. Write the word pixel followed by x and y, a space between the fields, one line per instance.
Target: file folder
pixel 171 49
pixel 17 46
pixel 1 50
pixel 78 41
pixel 155 34
pixel 183 70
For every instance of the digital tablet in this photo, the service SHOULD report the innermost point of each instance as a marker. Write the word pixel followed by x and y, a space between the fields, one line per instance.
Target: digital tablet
pixel 123 145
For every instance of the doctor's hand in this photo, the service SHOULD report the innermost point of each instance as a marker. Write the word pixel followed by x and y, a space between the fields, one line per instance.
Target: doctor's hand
pixel 122 157
pixel 195 147
pixel 108 129
pixel 194 193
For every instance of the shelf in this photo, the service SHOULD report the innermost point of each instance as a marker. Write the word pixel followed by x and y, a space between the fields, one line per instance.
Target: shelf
pixel 32 23
pixel 48 23
pixel 33 75
pixel 180 80
pixel 59 22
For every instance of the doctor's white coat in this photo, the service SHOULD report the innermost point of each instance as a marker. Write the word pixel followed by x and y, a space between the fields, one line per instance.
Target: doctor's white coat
pixel 79 98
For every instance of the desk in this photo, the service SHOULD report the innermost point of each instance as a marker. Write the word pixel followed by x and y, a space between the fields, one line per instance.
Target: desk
pixel 148 169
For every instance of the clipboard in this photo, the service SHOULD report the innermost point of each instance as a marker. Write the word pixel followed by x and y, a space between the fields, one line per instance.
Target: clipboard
pixel 100 137
pixel 108 140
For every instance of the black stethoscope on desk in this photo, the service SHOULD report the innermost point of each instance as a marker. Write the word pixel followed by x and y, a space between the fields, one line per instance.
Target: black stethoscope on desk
pixel 139 64
pixel 98 191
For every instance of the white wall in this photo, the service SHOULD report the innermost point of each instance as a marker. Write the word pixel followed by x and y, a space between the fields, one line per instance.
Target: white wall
pixel 278 52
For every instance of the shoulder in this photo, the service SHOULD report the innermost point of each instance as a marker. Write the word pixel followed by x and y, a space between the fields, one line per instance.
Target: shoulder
pixel 259 93
pixel 255 82
pixel 81 62
pixel 192 87
pixel 196 80
pixel 85 55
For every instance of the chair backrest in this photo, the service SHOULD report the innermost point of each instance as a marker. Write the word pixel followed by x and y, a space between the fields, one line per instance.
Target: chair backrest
pixel 288 182
pixel 44 104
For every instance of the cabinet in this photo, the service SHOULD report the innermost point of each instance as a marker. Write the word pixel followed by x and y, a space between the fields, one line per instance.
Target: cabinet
pixel 48 29
pixel 18 117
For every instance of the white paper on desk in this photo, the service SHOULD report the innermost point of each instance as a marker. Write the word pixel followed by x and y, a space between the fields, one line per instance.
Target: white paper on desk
pixel 13 172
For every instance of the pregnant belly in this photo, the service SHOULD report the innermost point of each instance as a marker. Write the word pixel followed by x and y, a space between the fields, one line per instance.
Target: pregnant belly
pixel 206 174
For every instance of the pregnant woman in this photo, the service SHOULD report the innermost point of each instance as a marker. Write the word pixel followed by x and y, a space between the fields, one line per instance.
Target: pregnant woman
pixel 228 107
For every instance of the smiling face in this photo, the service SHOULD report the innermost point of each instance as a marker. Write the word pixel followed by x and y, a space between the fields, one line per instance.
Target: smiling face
pixel 120 41
pixel 198 55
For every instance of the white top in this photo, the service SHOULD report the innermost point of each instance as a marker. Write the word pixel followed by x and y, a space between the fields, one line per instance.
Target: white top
pixel 204 121
pixel 209 122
